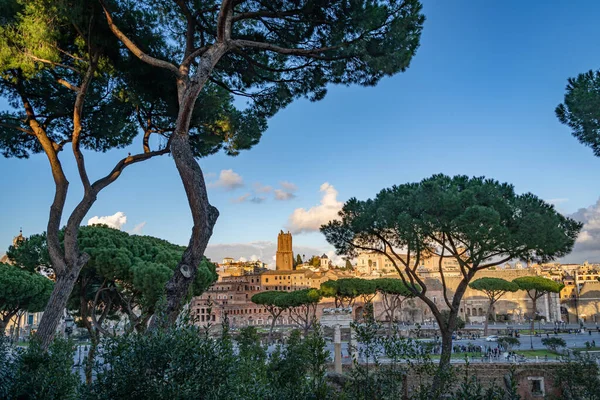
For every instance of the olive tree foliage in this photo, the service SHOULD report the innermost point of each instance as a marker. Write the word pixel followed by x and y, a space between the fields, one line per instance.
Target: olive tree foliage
pixel 494 289
pixel 303 308
pixel 275 302
pixel 62 88
pixel 509 343
pixel 478 222
pixel 393 293
pixel 580 110
pixel 125 273
pixel 536 287
pixel 125 276
pixel 21 291
pixel 268 53
pixel 554 343
pixel 70 87
pixel 346 291
pixel 578 378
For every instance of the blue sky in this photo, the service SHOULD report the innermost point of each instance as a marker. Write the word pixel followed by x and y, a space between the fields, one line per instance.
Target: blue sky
pixel 478 99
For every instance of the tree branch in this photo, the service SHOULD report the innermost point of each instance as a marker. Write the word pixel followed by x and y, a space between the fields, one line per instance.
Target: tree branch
pixel 27 131
pixel 314 53
pixel 135 49
pixel 224 21
pixel 55 64
pixel 121 165
pixel 266 14
pixel 77 117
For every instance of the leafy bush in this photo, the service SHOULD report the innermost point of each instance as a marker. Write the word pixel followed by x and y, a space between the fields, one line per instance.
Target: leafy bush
pixel 6 368
pixel 578 379
pixel 185 363
pixel 553 343
pixel 33 374
pixel 509 343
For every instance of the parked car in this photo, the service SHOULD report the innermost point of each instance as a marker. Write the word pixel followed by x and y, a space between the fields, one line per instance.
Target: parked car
pixel 492 338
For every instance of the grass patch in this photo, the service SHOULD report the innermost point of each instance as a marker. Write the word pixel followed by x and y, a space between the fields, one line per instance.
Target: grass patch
pixel 459 356
pixel 534 353
pixel 597 348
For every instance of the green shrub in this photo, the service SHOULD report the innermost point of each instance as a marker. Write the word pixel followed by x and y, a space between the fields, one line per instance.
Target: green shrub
pixel 553 343
pixel 43 375
pixel 578 378
pixel 185 363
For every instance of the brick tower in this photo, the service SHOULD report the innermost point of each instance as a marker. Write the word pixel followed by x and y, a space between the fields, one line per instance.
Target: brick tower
pixel 284 259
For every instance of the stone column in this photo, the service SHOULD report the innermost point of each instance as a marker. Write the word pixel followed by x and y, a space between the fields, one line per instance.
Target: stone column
pixel 337 349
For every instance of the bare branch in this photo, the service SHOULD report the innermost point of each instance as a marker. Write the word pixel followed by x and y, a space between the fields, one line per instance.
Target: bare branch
pixel 266 14
pixel 116 171
pixel 224 21
pixel 314 53
pixel 77 116
pixel 27 131
pixel 135 49
pixel 55 64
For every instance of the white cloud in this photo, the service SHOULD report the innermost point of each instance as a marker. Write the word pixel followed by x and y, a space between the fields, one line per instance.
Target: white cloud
pixel 587 246
pixel 116 220
pixel 137 230
pixel 590 233
pixel 241 199
pixel 246 197
pixel 259 188
pixel 287 191
pixel 242 259
pixel 283 195
pixel 557 201
pixel 261 250
pixel 335 259
pixel 310 220
pixel 228 180
pixel 288 186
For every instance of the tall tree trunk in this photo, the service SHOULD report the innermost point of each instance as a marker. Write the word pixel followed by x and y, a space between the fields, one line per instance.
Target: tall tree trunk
pixel 2 326
pixel 447 328
pixel 533 315
pixel 487 317
pixel 204 216
pixel 91 355
pixel 18 324
pixel 271 330
pixel 441 377
pixel 56 306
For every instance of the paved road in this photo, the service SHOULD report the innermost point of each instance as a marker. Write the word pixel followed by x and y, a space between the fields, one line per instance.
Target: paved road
pixel 572 340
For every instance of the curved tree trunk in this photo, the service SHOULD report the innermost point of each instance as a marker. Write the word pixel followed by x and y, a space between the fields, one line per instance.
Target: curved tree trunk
pixel 487 318
pixel 204 216
pixel 272 327
pixel 91 355
pixel 442 374
pixel 56 306
pixel 533 315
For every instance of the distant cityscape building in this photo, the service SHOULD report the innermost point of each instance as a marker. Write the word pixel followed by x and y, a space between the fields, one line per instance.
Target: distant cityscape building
pixel 284 258
pixel 239 281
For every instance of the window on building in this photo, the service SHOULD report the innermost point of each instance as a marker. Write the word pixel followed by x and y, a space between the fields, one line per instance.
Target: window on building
pixel 267 280
pixel 537 386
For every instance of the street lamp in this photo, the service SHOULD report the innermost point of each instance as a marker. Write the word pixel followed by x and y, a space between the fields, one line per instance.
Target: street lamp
pixel 68 325
pixel 531 339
